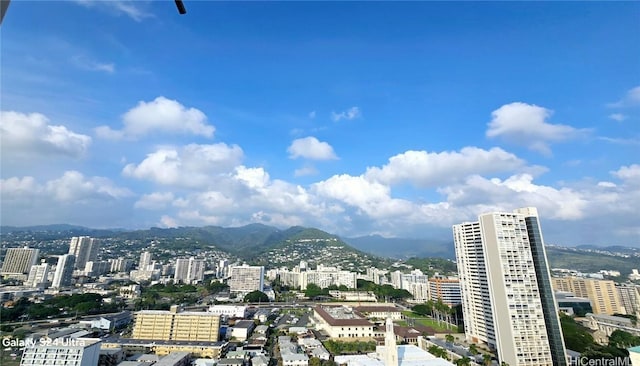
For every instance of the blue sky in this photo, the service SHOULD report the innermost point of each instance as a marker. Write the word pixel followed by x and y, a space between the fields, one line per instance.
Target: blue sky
pixel 358 118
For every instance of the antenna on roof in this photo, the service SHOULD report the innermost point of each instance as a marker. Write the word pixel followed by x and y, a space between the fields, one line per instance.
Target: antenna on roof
pixel 180 6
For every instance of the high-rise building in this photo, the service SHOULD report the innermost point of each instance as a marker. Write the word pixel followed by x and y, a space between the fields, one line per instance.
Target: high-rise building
pixel 62 351
pixel 630 297
pixel 38 275
pixel 244 279
pixel 84 249
pixel 120 265
pixel 445 289
pixel 173 325
pixel 145 260
pixel 64 271
pixel 189 270
pixel 507 298
pixel 605 298
pixel 19 261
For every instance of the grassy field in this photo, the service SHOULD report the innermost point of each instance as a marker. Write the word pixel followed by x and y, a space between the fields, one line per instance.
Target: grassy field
pixel 422 320
pixel 7 360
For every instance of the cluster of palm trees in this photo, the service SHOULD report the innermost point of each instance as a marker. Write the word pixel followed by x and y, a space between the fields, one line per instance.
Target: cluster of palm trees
pixel 439 311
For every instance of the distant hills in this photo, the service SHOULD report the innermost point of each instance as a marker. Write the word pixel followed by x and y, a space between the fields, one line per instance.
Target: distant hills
pixel 403 248
pixel 255 242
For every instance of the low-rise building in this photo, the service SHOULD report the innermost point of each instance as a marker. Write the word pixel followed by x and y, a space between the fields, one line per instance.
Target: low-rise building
pixel 342 322
pixel 380 312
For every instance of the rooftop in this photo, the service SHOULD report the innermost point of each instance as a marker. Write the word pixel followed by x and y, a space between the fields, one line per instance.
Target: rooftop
pixel 340 315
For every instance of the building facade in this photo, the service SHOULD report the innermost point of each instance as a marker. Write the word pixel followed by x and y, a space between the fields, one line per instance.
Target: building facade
pixel 64 271
pixel 19 261
pixel 172 324
pixel 38 275
pixel 605 298
pixel 189 270
pixel 62 351
pixel 506 251
pixel 445 289
pixel 84 249
pixel 245 279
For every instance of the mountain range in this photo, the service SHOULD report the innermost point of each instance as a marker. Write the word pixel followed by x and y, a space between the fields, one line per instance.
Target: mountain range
pixel 258 243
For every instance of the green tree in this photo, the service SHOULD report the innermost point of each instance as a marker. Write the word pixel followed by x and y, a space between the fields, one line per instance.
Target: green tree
pixel 315 361
pixel 464 361
pixel 473 349
pixel 486 359
pixel 256 296
pixel 449 338
pixel 438 352
pixel 621 339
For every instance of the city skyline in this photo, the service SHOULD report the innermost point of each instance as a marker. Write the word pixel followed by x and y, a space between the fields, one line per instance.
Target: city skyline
pixel 305 114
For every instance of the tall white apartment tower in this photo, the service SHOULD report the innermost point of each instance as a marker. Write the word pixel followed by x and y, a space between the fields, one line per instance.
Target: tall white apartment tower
pixel 84 249
pixel 145 261
pixel 245 279
pixel 64 271
pixel 189 270
pixel 505 283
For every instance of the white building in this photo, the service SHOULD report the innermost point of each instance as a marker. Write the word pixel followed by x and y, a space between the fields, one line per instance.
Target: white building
pixel 62 351
pixel 190 271
pixel 145 260
pixel 342 322
pixel 506 288
pixel 325 276
pixel 84 249
pixel 18 261
pixel 120 265
pixel 96 268
pixel 245 279
pixel 64 271
pixel 231 311
pixel 38 275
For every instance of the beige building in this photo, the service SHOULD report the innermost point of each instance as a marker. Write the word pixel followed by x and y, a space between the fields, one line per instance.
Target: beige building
pixel 172 325
pixel 605 298
pixel 342 322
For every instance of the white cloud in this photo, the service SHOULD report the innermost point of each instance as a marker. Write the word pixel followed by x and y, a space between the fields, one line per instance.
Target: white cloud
pixel 132 9
pixel 190 166
pixel 527 125
pixel 426 169
pixel 311 148
pixel 305 171
pixel 631 98
pixel 312 114
pixel 160 115
pixel 349 114
pixel 30 135
pixel 154 201
pixel 629 174
pixel 91 65
pixel 618 117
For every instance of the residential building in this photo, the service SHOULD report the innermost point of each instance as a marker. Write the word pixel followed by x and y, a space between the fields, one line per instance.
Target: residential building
pixel 120 265
pixel 162 348
pixel 18 261
pixel 96 268
pixel 175 325
pixel 507 299
pixel 245 279
pixel 605 298
pixel 324 276
pixel 84 249
pixel 445 289
pixel 190 271
pixel 630 298
pixel 242 329
pixel 62 351
pixel 145 260
pixel 64 271
pixel 38 275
